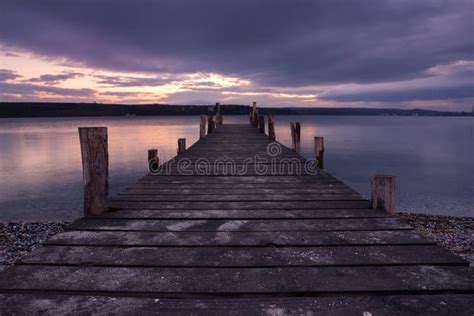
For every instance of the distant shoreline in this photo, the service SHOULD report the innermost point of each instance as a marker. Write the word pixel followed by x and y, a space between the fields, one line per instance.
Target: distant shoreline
pixel 38 109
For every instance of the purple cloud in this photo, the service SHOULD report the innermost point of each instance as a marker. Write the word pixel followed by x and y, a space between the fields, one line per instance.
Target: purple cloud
pixel 27 89
pixel 55 79
pixel 6 74
pixel 275 43
pixel 125 81
pixel 288 44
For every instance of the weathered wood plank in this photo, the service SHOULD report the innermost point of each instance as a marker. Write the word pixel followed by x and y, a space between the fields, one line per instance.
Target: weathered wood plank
pixel 238 197
pixel 117 238
pixel 236 191
pixel 288 281
pixel 150 179
pixel 206 169
pixel 381 305
pixel 244 214
pixel 243 256
pixel 218 225
pixel 240 205
pixel 245 186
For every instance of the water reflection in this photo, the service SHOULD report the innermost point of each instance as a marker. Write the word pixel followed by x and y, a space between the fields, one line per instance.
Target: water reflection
pixel 432 157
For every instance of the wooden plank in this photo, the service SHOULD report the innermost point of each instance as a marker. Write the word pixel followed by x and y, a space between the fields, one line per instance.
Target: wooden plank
pixel 238 197
pixel 381 305
pixel 235 171
pixel 244 214
pixel 218 225
pixel 240 205
pixel 243 256
pixel 288 281
pixel 244 186
pixel 117 238
pixel 241 179
pixel 193 190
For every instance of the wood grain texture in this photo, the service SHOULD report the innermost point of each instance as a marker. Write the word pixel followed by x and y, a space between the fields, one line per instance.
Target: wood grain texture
pixel 335 305
pixel 95 169
pixel 383 193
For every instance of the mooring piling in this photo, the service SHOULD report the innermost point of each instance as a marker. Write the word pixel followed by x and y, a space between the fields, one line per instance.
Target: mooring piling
pixel 319 151
pixel 383 193
pixel 95 169
pixel 295 128
pixel 271 126
pixel 181 145
pixel 202 127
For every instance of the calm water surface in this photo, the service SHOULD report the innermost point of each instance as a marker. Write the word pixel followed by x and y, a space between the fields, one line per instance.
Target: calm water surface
pixel 432 157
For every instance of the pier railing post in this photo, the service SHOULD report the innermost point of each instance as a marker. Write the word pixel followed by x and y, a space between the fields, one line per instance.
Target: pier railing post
pixel 253 114
pixel 219 118
pixel 319 151
pixel 202 127
pixel 271 126
pixel 95 169
pixel 295 136
pixel 181 145
pixel 261 124
pixel 153 160
pixel 383 193
pixel 210 122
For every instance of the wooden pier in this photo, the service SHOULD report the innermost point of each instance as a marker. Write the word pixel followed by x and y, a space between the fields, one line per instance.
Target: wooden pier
pixel 218 231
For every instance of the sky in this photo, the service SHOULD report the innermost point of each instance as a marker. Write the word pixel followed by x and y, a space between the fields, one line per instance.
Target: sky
pixel 305 53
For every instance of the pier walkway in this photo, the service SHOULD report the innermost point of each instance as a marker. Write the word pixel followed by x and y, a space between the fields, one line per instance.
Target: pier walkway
pixel 231 226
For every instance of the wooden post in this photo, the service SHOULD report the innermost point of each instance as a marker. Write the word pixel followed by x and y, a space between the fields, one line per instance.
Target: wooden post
pixel 202 127
pixel 383 193
pixel 152 154
pixel 254 114
pixel 319 151
pixel 271 126
pixel 295 136
pixel 95 169
pixel 210 123
pixel 181 145
pixel 261 124
pixel 153 160
pixel 219 118
pixel 256 118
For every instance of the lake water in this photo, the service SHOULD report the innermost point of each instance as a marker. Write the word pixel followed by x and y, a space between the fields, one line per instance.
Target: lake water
pixel 432 157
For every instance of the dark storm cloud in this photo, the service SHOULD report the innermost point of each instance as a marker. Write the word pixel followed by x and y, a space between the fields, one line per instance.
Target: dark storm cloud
pixel 125 81
pixel 26 89
pixel 273 42
pixel 55 79
pixel 405 94
pixel 453 81
pixel 6 74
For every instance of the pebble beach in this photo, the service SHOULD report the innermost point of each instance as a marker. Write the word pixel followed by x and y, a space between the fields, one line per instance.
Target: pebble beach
pixel 453 233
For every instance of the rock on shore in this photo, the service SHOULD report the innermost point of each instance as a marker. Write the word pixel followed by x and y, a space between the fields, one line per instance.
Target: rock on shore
pixel 453 233
pixel 16 239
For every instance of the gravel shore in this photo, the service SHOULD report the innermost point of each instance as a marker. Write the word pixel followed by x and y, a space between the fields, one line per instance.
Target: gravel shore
pixel 16 239
pixel 454 233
